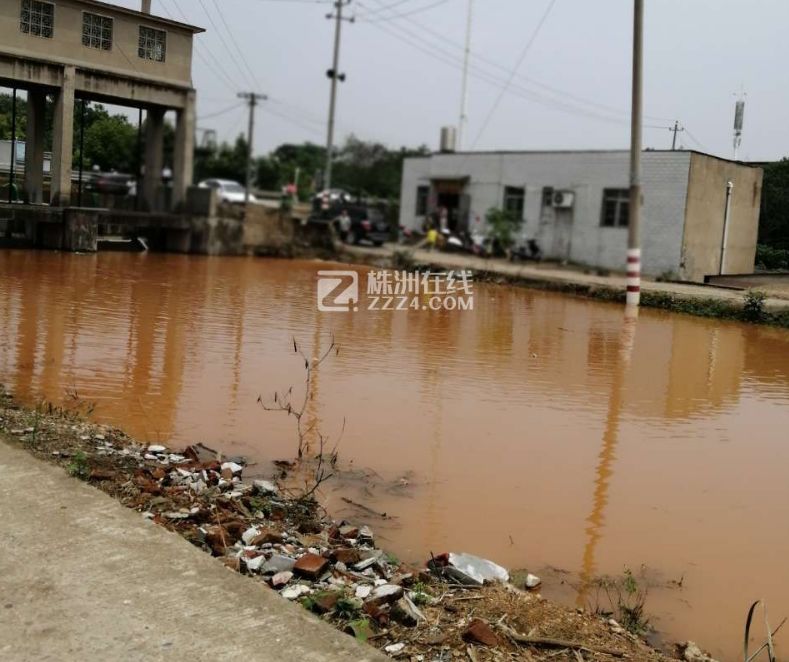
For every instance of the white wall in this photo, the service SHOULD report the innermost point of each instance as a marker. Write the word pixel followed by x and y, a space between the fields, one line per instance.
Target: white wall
pixel 665 181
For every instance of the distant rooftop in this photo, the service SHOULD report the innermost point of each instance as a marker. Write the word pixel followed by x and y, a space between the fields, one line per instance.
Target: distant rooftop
pixel 648 150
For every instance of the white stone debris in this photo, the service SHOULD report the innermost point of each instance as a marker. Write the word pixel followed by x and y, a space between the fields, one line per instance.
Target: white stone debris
pixel 479 569
pixel 294 592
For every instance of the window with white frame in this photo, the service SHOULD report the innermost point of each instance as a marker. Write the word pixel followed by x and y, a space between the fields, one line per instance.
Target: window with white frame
pixel 37 18
pixel 152 44
pixel 96 31
pixel 616 208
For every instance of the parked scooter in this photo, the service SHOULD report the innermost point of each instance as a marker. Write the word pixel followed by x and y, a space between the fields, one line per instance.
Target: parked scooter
pixel 452 242
pixel 528 251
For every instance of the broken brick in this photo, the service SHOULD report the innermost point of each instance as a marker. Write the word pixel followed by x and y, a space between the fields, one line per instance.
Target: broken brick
pixel 479 632
pixel 348 531
pixel 266 536
pixel 310 565
pixel 324 602
pixel 216 537
pixel 346 555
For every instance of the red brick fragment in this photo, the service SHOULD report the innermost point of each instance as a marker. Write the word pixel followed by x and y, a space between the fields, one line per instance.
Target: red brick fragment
pixel 310 565
pixel 479 632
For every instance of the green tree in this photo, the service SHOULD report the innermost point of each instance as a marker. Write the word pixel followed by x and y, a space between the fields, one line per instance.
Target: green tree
pixel 774 219
pixel 6 104
pixel 111 144
pixel 372 169
pixel 226 162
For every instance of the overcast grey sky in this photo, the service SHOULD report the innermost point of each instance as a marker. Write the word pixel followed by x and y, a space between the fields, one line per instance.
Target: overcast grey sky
pixel 403 68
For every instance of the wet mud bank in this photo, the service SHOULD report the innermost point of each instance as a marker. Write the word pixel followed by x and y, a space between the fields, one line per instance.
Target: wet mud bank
pixel 256 523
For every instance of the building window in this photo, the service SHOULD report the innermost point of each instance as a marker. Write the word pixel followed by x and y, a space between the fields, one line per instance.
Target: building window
pixel 547 196
pixel 514 197
pixel 37 18
pixel 616 208
pixel 96 31
pixel 152 44
pixel 422 195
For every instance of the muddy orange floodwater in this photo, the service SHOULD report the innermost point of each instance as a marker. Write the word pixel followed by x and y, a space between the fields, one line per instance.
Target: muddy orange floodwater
pixel 525 430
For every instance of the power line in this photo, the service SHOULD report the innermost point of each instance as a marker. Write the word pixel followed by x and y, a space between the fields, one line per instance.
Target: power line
pixel 450 59
pixel 394 17
pixel 532 81
pixel 235 43
pixel 224 111
pixel 517 66
pixel 219 67
pixel 387 7
pixel 694 139
pixel 222 39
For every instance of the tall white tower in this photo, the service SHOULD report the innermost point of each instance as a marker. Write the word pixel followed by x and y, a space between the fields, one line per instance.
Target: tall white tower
pixel 739 114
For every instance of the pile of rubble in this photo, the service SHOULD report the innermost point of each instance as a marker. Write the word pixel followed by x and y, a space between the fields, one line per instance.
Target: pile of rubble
pixel 455 606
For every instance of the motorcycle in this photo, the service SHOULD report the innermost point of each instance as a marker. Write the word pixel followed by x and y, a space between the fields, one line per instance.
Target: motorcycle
pixel 529 251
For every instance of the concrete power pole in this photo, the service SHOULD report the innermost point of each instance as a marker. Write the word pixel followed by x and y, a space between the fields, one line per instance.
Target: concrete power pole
pixel 252 98
pixel 675 130
pixel 463 121
pixel 334 75
pixel 633 296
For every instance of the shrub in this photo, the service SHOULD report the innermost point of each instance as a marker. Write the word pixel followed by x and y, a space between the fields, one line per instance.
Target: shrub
pixel 753 309
pixel 502 226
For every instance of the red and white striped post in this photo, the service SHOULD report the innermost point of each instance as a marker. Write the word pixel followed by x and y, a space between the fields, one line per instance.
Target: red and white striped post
pixel 633 297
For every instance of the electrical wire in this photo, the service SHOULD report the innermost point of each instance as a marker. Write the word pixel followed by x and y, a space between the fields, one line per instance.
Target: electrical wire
pixel 228 50
pixel 218 65
pixel 394 17
pixel 694 139
pixel 219 112
pixel 477 57
pixel 514 72
pixel 235 43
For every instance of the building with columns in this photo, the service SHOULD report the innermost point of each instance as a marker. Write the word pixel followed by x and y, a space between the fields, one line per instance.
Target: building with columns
pixel 96 51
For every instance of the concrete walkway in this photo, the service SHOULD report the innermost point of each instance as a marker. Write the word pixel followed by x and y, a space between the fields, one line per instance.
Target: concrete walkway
pixel 548 273
pixel 83 578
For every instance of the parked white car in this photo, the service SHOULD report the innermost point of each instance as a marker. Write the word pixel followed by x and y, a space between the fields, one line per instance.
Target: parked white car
pixel 228 190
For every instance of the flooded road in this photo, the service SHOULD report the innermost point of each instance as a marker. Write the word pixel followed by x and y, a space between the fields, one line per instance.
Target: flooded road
pixel 525 431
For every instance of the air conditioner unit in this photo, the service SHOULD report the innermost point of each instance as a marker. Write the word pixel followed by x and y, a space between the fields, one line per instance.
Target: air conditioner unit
pixel 563 199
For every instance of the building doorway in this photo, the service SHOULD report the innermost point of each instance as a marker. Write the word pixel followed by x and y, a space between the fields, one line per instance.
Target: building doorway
pixel 449 193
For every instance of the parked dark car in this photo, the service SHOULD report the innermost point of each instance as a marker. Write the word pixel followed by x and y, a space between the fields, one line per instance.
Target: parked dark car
pixel 367 223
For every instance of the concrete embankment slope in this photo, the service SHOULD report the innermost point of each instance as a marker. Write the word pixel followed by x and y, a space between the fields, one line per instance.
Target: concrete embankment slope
pixel 83 578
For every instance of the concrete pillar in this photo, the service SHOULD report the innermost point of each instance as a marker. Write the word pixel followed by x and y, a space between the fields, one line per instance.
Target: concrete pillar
pixel 34 146
pixel 154 156
pixel 62 140
pixel 183 166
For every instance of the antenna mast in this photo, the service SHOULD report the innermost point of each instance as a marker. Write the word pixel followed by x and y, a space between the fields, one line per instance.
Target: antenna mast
pixel 739 114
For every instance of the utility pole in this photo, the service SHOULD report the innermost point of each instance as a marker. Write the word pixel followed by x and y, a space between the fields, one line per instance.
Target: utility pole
pixel 633 296
pixel 677 129
pixel 252 98
pixel 334 75
pixel 463 122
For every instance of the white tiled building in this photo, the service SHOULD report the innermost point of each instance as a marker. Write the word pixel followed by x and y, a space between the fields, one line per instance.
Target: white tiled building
pixel 575 204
